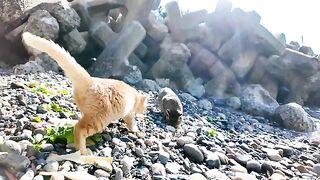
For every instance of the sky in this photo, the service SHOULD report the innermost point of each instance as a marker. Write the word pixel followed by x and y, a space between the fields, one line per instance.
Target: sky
pixel 294 18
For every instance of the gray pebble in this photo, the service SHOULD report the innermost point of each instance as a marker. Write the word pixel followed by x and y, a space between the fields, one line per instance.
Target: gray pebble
pixel 158 169
pixel 119 174
pixel 101 173
pixel 193 153
pixel 316 169
pixel 181 141
pixel 173 167
pixel 28 175
pixel 10 146
pixel 242 159
pixel 213 161
pixel 197 176
pixel 51 166
pixel 47 147
pixel 164 157
pixel 103 165
pixel 254 165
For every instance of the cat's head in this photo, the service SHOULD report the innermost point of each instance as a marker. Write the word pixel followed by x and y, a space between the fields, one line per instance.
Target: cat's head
pixel 142 103
pixel 174 117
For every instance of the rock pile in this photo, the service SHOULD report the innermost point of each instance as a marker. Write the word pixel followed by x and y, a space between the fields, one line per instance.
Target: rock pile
pixel 213 54
pixel 213 141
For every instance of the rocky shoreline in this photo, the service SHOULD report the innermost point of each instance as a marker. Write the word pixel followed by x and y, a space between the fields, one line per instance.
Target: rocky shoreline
pixel 214 141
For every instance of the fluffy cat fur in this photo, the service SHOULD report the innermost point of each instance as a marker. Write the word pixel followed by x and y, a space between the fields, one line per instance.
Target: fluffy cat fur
pixel 170 106
pixel 100 101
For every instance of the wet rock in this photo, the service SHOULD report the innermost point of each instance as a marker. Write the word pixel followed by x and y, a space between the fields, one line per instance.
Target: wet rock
pixel 293 116
pixel 255 100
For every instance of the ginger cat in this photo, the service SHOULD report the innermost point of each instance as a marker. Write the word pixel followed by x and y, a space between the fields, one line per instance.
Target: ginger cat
pixel 170 106
pixel 100 101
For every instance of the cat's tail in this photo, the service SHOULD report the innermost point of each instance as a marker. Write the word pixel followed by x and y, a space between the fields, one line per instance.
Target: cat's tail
pixel 75 72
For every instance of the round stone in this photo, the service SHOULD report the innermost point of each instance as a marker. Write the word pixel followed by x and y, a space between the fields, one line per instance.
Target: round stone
pixel 197 176
pixel 316 169
pixel 242 159
pixel 193 153
pixel 164 157
pixel 51 166
pixel 254 165
pixel 213 161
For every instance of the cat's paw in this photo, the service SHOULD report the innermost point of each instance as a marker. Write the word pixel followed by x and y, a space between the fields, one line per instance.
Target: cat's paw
pixel 134 129
pixel 86 152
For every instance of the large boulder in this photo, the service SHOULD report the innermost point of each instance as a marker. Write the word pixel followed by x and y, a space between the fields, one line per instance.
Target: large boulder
pixel 114 57
pixel 223 82
pixel 38 63
pixel 138 10
pixel 12 53
pixel 243 62
pixel 9 11
pixel 41 23
pixel 156 28
pixel 92 12
pixel 173 65
pixel 74 42
pixel 201 60
pixel 294 117
pixel 67 18
pixel 183 26
pixel 257 101
pixel 296 71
